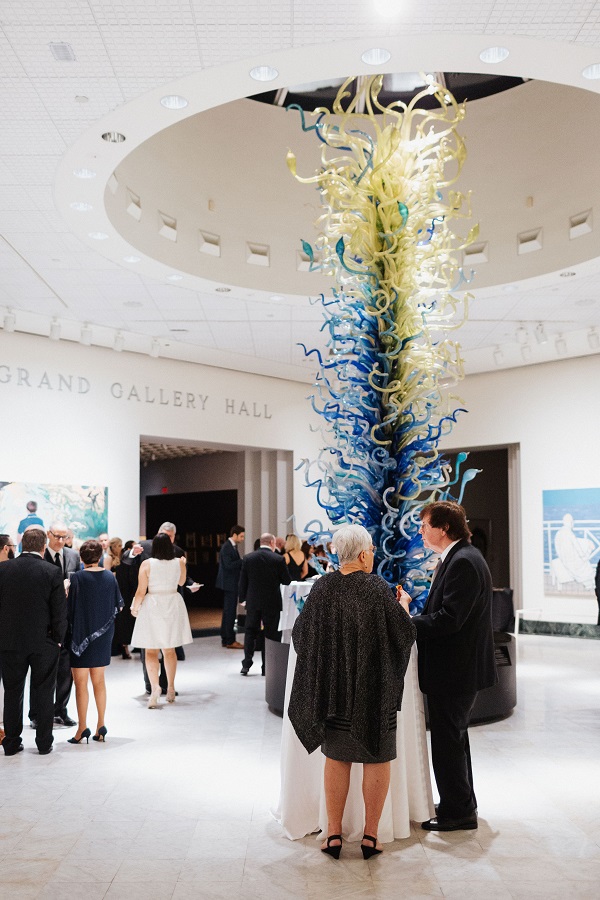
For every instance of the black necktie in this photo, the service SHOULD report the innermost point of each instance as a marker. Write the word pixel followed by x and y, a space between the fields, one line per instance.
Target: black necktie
pixel 57 561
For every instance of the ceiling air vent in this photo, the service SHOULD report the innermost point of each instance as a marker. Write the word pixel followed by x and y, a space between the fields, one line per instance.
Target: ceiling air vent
pixel 580 224
pixel 134 205
pixel 529 241
pixel 167 227
pixel 257 254
pixel 210 244
pixel 476 253
pixel 62 52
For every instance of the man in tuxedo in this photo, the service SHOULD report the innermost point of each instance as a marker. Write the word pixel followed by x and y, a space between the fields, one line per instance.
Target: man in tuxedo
pixel 261 576
pixel 33 624
pixel 67 561
pixel 228 576
pixel 136 556
pixel 456 658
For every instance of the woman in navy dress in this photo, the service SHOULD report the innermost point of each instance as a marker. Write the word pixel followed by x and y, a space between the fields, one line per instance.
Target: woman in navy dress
pixel 94 600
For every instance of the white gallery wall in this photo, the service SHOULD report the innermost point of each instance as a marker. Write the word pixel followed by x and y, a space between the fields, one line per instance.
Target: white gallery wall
pixel 85 428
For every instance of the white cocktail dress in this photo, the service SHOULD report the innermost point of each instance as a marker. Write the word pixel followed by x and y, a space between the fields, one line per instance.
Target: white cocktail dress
pixel 162 621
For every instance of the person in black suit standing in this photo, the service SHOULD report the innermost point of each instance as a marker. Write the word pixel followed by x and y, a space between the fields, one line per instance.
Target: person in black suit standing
pixel 228 576
pixel 456 658
pixel 33 624
pixel 67 561
pixel 135 557
pixel 261 576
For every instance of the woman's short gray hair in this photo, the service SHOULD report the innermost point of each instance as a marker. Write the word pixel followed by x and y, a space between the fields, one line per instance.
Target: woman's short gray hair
pixel 349 541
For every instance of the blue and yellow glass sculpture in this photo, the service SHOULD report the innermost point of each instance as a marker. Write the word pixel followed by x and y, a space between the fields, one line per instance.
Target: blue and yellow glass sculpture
pixel 386 185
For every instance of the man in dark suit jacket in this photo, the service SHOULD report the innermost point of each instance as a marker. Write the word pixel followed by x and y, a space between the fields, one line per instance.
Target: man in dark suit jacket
pixel 136 556
pixel 262 574
pixel 67 561
pixel 33 624
pixel 456 658
pixel 228 576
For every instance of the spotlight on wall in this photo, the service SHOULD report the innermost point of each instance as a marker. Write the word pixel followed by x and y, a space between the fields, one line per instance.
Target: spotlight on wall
pixel 540 333
pixel 155 348
pixel 521 334
pixel 54 330
pixel 498 356
pixel 593 339
pixel 10 320
pixel 560 345
pixel 85 337
pixel 119 342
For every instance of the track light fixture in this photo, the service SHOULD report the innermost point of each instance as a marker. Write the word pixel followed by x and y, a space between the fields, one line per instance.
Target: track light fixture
pixel 540 333
pixel 10 320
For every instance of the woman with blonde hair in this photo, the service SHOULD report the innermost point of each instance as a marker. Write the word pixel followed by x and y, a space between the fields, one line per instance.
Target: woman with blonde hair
pixel 295 559
pixel 126 574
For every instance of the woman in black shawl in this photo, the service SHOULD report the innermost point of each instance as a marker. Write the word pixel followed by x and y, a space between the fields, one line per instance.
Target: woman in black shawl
pixel 353 641
pixel 93 602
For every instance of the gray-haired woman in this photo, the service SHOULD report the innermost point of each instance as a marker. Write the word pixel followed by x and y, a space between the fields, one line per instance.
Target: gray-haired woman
pixel 353 641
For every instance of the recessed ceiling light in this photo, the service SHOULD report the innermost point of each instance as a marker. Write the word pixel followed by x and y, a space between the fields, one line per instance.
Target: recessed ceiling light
pixel 222 290
pixel 113 137
pixel 592 72
pixel 175 277
pixel 132 303
pixel 131 259
pixel 173 101
pixel 179 330
pixel 84 173
pixel 81 98
pixel 98 235
pixel 494 55
pixel 80 206
pixel 567 274
pixel 585 301
pixel 264 73
pixel 377 56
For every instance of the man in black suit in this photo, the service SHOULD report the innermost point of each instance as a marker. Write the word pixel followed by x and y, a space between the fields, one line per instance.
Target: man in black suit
pixel 136 556
pixel 228 576
pixel 456 658
pixel 33 624
pixel 67 561
pixel 262 574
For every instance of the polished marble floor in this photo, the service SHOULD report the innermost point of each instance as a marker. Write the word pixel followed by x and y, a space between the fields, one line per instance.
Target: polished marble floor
pixel 176 803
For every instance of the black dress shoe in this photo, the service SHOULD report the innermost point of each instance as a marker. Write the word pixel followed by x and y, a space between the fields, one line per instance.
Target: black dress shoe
pixel 14 752
pixel 244 670
pixel 45 752
pixel 64 720
pixel 468 823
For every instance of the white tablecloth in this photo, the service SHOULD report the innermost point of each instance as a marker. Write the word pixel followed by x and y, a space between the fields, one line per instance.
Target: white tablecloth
pixel 289 611
pixel 301 808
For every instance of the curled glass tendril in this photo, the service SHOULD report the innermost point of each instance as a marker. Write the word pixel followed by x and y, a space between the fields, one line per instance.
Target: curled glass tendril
pixel 385 234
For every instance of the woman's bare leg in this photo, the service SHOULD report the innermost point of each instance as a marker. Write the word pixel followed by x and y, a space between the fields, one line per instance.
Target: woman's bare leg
pixel 152 670
pixel 170 658
pixel 376 782
pixel 337 782
pixel 82 698
pixel 99 686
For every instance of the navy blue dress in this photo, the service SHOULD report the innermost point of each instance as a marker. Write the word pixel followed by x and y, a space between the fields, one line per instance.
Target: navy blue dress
pixel 94 601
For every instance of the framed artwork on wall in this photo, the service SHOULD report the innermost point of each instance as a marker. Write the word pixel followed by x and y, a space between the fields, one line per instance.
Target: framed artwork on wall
pixel 82 508
pixel 571 540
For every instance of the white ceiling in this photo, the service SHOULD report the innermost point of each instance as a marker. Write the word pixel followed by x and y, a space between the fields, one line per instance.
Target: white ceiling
pixel 130 53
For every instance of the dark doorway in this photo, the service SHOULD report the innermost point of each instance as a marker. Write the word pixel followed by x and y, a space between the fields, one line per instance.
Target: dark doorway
pixel 486 503
pixel 203 520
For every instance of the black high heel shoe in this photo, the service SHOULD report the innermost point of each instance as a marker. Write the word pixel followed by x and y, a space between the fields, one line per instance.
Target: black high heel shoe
pixel 101 736
pixel 333 851
pixel 84 734
pixel 368 852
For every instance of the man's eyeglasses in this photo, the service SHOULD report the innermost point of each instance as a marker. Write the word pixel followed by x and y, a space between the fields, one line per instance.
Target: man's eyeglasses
pixel 59 537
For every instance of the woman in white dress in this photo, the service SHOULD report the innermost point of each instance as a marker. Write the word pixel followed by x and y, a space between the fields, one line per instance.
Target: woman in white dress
pixel 162 620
